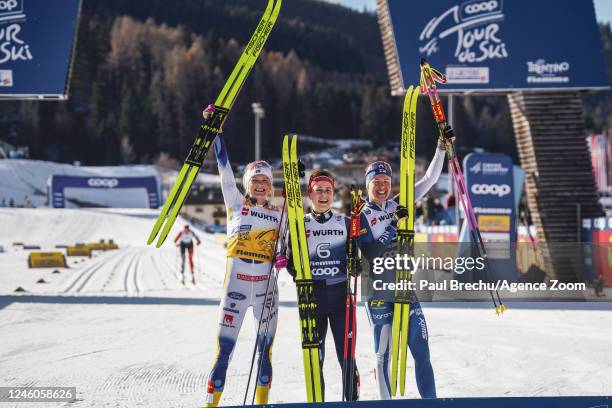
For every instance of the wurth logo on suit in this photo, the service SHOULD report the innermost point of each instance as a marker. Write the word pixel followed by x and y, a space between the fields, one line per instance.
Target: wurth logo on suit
pixel 325 233
pixel 260 215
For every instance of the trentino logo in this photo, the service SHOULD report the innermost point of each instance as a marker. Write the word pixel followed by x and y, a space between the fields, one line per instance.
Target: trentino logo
pixel 541 71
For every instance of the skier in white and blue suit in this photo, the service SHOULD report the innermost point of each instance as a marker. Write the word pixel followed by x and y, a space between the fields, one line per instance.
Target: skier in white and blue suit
pixel 378 238
pixel 327 235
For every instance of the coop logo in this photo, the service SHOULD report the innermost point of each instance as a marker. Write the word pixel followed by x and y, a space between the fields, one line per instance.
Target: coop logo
pixel 483 7
pixel 12 46
pixel 476 27
pixel 499 190
pixel 541 71
pixel 103 182
pixel 11 10
pixel 326 271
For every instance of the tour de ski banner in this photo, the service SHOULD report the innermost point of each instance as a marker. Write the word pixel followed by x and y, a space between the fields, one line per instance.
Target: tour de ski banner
pixel 36 45
pixel 490 184
pixel 496 45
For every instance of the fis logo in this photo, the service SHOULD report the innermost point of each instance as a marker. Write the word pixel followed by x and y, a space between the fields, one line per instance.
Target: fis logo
pixel 245 211
pixel 477 168
pixel 373 222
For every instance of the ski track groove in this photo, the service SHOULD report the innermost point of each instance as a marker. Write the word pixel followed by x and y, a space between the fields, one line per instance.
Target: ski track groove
pixel 174 269
pixel 96 264
pixel 161 277
pixel 136 275
pixel 128 270
pixel 116 260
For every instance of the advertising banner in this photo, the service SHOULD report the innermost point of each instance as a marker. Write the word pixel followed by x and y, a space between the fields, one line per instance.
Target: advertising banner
pixel 496 45
pixel 36 46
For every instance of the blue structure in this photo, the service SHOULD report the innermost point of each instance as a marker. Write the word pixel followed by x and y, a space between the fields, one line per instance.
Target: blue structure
pixel 526 402
pixel 57 184
pixel 36 46
pixel 495 45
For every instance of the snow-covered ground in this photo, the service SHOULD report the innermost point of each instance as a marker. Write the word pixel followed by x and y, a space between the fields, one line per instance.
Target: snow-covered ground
pixel 124 330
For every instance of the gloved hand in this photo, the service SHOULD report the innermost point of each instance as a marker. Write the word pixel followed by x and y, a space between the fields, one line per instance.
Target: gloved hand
pixel 357 267
pixel 400 212
pixel 301 169
pixel 447 137
pixel 208 111
pixel 281 262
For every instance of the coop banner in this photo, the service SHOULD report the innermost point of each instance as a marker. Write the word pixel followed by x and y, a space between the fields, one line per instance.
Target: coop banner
pixel 36 45
pixel 497 45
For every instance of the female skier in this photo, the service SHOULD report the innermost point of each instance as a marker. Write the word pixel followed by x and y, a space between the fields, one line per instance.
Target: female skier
pixel 379 218
pixel 327 235
pixel 252 229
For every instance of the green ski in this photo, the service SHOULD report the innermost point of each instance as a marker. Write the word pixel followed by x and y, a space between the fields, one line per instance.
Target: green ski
pixel 303 279
pixel 213 124
pixel 405 242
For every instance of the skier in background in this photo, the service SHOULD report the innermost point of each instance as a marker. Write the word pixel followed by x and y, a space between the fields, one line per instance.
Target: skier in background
pixel 252 228
pixel 377 239
pixel 186 237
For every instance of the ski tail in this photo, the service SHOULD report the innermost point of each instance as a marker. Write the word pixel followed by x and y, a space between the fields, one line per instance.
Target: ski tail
pixel 303 278
pixel 429 77
pixel 213 124
pixel 405 242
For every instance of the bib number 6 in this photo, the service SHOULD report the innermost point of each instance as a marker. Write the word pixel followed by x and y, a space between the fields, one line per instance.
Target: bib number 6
pixel 323 250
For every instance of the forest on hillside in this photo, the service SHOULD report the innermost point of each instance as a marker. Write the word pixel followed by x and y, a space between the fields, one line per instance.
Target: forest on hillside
pixel 143 70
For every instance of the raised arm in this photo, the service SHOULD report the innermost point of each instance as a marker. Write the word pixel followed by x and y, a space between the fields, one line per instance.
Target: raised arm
pixel 431 176
pixel 231 194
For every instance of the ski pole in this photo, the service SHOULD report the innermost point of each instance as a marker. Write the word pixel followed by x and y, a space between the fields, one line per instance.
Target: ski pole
pixel 429 77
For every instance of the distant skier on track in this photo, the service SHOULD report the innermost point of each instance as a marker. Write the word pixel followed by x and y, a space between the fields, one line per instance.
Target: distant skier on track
pixel 185 243
pixel 252 230
pixel 380 217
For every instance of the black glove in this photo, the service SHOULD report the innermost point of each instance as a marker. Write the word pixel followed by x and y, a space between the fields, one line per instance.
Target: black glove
pixel 301 169
pixel 356 267
pixel 400 212
pixel 291 270
pixel 447 137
